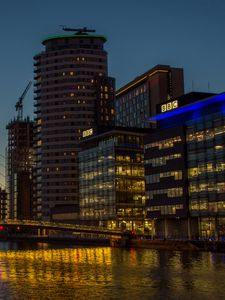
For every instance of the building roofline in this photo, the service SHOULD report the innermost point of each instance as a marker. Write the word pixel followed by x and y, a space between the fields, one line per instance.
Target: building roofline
pixel 189 107
pixel 103 38
pixel 141 78
pixel 117 129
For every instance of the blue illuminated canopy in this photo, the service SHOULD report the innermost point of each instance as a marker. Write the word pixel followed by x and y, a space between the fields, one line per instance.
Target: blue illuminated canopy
pixel 189 107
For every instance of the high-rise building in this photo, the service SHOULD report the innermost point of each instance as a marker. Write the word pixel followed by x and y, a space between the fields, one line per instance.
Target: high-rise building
pixel 20 162
pixel 74 96
pixel 137 100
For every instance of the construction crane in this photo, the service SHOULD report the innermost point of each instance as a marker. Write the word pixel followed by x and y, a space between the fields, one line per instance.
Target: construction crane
pixel 19 103
pixel 83 30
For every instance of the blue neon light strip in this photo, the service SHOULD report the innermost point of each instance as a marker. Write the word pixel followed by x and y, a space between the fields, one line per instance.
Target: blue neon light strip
pixel 189 107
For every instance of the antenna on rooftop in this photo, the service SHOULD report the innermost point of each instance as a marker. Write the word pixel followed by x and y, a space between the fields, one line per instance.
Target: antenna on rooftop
pixel 83 30
pixel 208 86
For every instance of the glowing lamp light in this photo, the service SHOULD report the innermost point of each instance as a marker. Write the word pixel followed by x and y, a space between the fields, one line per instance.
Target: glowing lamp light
pixel 2 227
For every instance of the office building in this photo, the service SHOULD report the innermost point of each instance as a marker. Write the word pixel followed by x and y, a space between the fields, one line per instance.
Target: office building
pixel 185 168
pixel 112 185
pixel 137 100
pixel 74 96
pixel 20 163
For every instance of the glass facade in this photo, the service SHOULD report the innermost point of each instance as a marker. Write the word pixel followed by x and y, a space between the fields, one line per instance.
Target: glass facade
pixel 97 182
pixel 133 107
pixel 206 172
pixel 112 185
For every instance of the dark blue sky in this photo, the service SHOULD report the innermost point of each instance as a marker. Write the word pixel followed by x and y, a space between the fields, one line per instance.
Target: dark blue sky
pixel 141 34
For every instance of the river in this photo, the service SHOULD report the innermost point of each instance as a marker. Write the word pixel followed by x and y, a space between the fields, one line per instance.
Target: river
pixel 43 271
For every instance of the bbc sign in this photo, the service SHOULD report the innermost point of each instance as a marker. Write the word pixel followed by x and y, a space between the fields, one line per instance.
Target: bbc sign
pixel 169 106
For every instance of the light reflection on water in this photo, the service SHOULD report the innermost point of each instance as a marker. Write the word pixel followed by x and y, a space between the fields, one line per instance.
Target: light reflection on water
pixel 31 271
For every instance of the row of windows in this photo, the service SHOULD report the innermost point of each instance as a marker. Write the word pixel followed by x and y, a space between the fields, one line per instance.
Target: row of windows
pixel 170 193
pixel 92 175
pixel 162 161
pixel 61 94
pixel 129 170
pixel 65 103
pixel 130 212
pixel 66 153
pixel 134 158
pixel 206 168
pixel 154 178
pixel 140 102
pixel 88 185
pixel 64 79
pixel 43 68
pixel 206 134
pixel 218 187
pixel 48 77
pixel 98 214
pixel 130 185
pixel 164 144
pixel 64 51
pixel 66 88
pixel 207 206
pixel 135 92
pixel 94 159
pixel 166 209
pixel 193 158
pixel 97 199
pixel 97 185
pixel 67 123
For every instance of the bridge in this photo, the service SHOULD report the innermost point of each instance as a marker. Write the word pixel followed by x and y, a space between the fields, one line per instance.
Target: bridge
pixel 22 224
pixel 116 237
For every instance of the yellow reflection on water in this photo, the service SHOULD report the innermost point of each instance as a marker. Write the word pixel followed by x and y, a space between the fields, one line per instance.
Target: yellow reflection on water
pixel 52 273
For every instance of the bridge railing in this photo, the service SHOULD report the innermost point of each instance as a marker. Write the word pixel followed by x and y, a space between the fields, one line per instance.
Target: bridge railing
pixel 57 225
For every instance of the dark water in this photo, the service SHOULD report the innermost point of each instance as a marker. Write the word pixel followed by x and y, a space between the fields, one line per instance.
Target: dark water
pixel 42 271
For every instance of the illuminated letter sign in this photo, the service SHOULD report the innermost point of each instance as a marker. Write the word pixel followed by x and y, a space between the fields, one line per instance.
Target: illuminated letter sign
pixel 87 132
pixel 169 106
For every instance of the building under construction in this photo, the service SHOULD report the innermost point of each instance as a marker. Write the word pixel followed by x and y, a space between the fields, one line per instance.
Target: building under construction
pixel 3 204
pixel 20 164
pixel 20 168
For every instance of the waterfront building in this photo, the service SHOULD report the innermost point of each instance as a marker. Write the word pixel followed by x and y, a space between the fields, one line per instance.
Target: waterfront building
pixel 74 97
pixel 3 204
pixel 185 167
pixel 112 185
pixel 137 100
pixel 20 163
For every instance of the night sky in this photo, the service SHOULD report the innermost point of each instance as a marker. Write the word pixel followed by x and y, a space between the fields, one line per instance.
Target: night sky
pixel 141 34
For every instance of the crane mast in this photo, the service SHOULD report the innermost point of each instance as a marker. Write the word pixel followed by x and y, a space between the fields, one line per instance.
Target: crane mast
pixel 19 103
